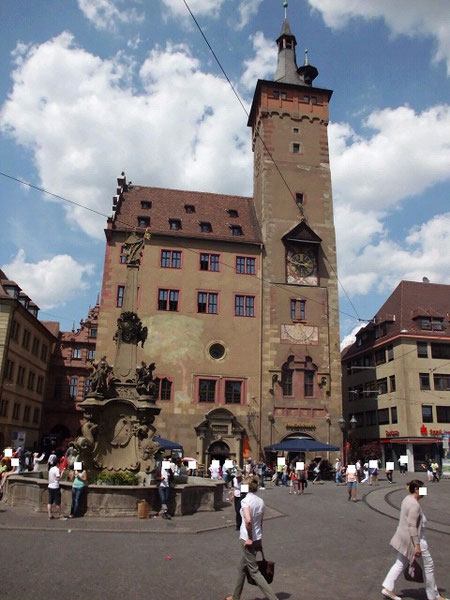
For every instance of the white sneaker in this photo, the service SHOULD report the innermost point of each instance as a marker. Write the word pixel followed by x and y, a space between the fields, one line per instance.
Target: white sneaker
pixel 389 594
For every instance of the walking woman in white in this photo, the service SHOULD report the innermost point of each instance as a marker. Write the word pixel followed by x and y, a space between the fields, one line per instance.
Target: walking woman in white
pixel 410 543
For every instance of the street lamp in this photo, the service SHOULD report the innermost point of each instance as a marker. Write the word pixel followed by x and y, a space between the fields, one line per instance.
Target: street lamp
pixel 343 425
pixel 271 421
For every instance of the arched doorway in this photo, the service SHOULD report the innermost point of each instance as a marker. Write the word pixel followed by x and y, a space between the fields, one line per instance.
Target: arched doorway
pixel 219 451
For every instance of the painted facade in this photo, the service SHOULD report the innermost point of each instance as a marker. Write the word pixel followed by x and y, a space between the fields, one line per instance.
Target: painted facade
pixel 239 295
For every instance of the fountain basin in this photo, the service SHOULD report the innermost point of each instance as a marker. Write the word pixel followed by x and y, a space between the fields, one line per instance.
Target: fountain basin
pixel 197 495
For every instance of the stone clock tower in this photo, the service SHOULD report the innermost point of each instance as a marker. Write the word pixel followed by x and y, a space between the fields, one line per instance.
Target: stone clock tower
pixel 300 358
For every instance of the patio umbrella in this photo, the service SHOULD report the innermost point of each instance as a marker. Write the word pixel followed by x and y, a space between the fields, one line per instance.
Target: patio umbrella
pixel 167 444
pixel 301 445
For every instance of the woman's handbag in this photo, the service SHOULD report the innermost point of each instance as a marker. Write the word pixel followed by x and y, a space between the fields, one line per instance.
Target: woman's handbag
pixel 267 569
pixel 413 572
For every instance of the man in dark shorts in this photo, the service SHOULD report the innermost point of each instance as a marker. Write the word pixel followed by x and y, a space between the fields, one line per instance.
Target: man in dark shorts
pixel 54 492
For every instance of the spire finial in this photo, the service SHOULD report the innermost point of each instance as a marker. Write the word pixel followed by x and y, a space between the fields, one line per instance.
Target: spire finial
pixel 285 4
pixel 306 63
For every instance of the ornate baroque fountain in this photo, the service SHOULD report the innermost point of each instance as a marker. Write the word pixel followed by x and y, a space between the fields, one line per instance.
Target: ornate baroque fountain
pixel 120 408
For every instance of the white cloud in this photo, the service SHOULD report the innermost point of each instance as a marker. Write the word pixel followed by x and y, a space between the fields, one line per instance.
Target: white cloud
pixel 200 8
pixel 49 283
pixel 414 18
pixel 404 155
pixel 84 130
pixel 262 64
pixel 247 9
pixel 104 14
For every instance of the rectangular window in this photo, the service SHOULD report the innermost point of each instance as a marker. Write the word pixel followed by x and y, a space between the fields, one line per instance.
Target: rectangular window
pixel 146 204
pixel 244 306
pixel 207 390
pixel 380 356
pixel 283 94
pixel 422 349
pixel 390 352
pixel 427 413
pixel 245 265
pixel 424 379
pixel 73 387
pixel 431 324
pixel 93 333
pixel 20 375
pixel 209 262
pixel 171 259
pixel 440 350
pixel 276 94
pixel 9 370
pixel 143 221
pixel 90 354
pixel 392 386
pixel 383 416
pixel 205 226
pixel 207 302
pixel 120 296
pixel 189 208
pixel 236 229
pixel 16 411
pixel 36 415
pixel 15 328
pixel 44 351
pixel 168 300
pixel 371 417
pixel 286 382
pixel 443 414
pixel 309 383
pixel 40 384
pixel 394 418
pixel 87 386
pixel 123 255
pixel 382 385
pixel 26 414
pixel 31 378
pixel 4 408
pixel 233 392
pixel 35 346
pixel 26 339
pixel 76 353
pixel 298 310
pixel 441 382
pixel 296 148
pixel 233 213
pixel 174 224
pixel 165 389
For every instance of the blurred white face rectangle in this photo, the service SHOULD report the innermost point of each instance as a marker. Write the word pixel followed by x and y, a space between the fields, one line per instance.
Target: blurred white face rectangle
pixel 300 466
pixel 244 488
pixel 14 462
pixel 351 469
pixel 192 464
pixel 215 464
pixel 423 491
pixel 8 452
pixel 228 464
pixel 404 459
pixel 389 466
pixel 373 464
pixel 78 465
pixel 281 461
pixel 165 464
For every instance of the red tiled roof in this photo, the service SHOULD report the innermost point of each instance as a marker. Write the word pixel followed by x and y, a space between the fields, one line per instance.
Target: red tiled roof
pixel 409 300
pixel 170 204
pixel 52 326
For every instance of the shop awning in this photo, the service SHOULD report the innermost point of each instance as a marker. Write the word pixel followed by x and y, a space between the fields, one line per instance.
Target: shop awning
pixel 411 440
pixel 167 444
pixel 301 445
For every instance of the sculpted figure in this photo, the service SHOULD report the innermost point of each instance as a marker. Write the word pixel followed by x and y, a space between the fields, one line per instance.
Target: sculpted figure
pixel 132 250
pixel 99 376
pixel 145 383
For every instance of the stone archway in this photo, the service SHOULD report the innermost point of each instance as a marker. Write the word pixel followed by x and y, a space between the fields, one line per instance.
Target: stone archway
pixel 219 434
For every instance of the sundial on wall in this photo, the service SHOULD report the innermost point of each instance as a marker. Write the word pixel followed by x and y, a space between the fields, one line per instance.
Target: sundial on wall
pixel 299 333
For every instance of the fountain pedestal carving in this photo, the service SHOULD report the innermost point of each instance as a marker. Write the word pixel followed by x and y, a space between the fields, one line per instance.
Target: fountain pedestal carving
pixel 121 406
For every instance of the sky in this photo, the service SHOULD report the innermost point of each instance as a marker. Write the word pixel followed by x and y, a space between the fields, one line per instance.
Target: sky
pixel 91 88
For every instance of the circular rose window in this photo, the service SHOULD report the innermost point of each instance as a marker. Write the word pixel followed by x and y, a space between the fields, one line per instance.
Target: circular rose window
pixel 217 351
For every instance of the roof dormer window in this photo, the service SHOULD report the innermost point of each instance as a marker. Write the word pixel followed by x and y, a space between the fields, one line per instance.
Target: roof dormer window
pixel 174 224
pixel 143 221
pixel 233 213
pixel 24 300
pixel 236 229
pixel 146 204
pixel 205 227
pixel 189 208
pixel 12 290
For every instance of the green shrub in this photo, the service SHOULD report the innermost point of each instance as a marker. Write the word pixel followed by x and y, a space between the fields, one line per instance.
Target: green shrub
pixel 120 478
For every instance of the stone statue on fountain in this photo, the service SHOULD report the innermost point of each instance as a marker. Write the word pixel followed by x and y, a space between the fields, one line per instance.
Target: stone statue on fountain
pixel 118 434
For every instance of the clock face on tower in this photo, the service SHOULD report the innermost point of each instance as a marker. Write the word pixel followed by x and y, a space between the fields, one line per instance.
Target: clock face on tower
pixel 302 266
